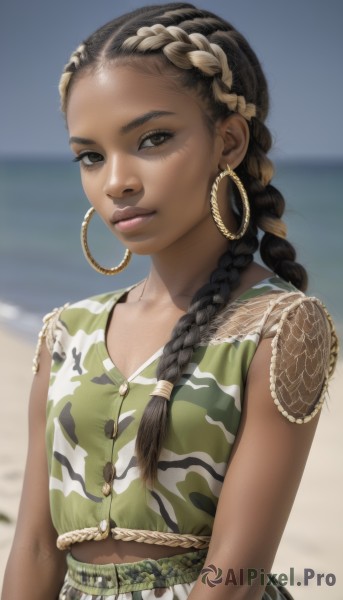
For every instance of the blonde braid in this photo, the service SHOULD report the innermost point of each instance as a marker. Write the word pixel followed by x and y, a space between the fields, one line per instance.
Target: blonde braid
pixel 261 169
pixel 193 50
pixel 69 69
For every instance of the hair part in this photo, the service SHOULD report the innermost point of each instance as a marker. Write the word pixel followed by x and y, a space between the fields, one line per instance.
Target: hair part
pixel 207 54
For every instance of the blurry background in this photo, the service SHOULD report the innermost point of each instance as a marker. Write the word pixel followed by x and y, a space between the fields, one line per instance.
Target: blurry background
pixel 300 44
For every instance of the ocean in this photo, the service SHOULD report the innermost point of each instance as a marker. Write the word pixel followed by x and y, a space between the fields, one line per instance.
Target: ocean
pixel 41 262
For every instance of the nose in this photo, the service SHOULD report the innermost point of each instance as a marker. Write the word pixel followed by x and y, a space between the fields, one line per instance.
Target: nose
pixel 121 180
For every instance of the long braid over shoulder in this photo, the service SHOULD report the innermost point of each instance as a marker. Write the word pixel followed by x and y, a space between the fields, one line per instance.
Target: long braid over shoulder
pixel 177 353
pixel 206 53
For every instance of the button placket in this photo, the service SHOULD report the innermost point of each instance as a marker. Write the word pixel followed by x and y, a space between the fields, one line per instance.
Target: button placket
pixel 123 389
pixel 110 431
pixel 106 489
pixel 109 472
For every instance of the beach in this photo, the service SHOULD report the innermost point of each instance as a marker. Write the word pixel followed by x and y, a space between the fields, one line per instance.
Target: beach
pixel 312 543
pixel 16 376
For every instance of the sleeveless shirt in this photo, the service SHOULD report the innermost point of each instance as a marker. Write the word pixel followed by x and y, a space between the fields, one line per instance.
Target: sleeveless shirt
pixel 93 411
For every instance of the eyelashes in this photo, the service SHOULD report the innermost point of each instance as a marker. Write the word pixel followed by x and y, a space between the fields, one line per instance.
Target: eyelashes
pixel 150 140
pixel 159 136
pixel 92 157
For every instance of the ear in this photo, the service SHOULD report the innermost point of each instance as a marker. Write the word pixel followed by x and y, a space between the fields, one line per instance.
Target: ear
pixel 235 135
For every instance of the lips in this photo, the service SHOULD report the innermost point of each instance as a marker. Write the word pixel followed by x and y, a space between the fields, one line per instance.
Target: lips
pixel 131 219
pixel 128 213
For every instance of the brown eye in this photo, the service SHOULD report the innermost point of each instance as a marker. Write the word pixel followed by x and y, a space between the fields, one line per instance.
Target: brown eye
pixel 88 159
pixel 155 139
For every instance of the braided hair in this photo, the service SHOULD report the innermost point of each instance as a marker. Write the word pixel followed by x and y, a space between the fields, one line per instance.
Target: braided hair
pixel 211 56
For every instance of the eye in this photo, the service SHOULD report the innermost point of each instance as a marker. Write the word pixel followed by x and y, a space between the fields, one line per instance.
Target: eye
pixel 155 138
pixel 88 159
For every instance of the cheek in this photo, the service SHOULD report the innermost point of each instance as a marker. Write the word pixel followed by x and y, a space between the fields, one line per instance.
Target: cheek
pixel 91 186
pixel 193 183
pixel 84 181
pixel 188 172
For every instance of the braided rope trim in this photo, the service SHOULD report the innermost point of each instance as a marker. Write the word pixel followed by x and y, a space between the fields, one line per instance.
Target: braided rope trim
pixel 159 538
pixel 334 344
pixel 272 304
pixel 193 50
pixel 254 326
pixel 65 540
pixel 46 333
pixel 332 362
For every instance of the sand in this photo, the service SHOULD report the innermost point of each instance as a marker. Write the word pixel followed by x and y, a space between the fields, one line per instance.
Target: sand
pixel 313 538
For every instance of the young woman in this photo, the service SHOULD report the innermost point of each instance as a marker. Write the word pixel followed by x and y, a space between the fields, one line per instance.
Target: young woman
pixel 180 411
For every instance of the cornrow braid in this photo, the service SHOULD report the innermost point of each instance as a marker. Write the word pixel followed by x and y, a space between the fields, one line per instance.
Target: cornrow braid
pixel 193 50
pixel 190 21
pixel 214 59
pixel 208 25
pixel 204 306
pixel 179 14
pixel 71 67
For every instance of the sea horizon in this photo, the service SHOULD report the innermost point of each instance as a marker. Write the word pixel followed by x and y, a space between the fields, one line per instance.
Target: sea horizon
pixel 42 266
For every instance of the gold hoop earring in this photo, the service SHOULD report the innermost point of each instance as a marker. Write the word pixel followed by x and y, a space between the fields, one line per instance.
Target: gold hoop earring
pixel 215 209
pixel 84 243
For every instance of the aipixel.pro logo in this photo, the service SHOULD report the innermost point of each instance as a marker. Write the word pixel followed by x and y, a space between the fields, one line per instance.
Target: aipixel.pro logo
pixel 211 575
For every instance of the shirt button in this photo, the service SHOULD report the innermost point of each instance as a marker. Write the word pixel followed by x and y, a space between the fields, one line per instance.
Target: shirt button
pixel 103 525
pixel 110 429
pixel 106 489
pixel 109 472
pixel 123 389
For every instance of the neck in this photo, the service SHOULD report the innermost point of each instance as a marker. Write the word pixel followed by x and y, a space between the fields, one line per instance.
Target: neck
pixel 179 271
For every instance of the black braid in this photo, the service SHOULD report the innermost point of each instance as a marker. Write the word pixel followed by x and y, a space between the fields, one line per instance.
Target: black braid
pixel 266 200
pixel 207 302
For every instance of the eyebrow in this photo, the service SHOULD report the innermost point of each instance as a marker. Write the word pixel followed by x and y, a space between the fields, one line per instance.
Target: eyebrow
pixel 79 140
pixel 153 114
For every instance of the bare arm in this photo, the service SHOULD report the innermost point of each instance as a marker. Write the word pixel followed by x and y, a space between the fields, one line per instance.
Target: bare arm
pixel 35 569
pixel 264 473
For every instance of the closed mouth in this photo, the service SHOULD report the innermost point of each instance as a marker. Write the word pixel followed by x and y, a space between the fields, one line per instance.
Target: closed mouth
pixel 129 213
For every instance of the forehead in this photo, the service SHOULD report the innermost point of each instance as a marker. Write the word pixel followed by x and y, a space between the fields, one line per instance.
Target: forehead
pixel 122 92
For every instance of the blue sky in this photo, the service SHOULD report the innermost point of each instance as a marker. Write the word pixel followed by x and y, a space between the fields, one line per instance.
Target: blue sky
pixel 299 42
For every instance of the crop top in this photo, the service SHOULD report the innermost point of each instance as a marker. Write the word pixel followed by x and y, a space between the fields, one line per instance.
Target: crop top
pixel 93 413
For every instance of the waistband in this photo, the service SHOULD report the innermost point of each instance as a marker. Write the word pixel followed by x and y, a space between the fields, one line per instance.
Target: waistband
pixel 131 577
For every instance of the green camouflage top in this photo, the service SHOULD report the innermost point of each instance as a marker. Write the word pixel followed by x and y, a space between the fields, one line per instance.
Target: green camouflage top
pixel 93 412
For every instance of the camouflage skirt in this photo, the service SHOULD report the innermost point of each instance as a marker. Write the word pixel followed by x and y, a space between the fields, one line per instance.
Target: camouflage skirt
pixel 170 578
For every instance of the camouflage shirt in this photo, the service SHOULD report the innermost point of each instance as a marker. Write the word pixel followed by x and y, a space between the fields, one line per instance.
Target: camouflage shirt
pixel 93 411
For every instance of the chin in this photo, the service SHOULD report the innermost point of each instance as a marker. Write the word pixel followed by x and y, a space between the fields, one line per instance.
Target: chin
pixel 145 247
